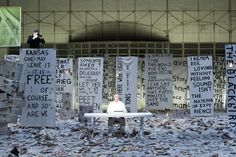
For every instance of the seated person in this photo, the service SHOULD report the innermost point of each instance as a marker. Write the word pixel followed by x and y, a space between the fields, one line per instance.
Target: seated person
pixel 116 106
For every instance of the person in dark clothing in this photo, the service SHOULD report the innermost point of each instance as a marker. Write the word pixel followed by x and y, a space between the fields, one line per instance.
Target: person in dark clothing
pixel 35 39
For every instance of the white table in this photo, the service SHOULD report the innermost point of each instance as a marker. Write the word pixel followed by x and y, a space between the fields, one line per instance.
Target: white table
pixel 140 115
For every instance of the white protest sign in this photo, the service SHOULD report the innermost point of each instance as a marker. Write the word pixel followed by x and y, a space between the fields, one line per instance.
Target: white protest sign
pixel 39 73
pixel 126 81
pixel 200 76
pixel 64 81
pixel 230 56
pixel 90 79
pixel 158 81
pixel 180 78
pixel 219 82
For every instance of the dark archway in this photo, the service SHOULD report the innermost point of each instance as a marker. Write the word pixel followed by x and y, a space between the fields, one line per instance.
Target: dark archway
pixel 114 31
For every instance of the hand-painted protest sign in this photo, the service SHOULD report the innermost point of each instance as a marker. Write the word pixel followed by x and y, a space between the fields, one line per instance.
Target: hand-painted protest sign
pixel 90 79
pixel 126 81
pixel 230 56
pixel 180 78
pixel 219 73
pixel 64 81
pixel 200 76
pixel 158 81
pixel 39 73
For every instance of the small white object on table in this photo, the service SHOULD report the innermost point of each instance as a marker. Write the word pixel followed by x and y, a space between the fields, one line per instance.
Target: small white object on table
pixel 140 115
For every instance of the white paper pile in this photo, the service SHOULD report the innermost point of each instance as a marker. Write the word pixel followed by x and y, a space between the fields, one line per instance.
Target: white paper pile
pixel 11 100
pixel 163 136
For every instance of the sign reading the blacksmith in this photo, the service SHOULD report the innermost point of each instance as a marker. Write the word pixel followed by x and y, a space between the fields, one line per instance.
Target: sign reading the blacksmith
pixel 90 79
pixel 230 56
pixel 180 78
pixel 200 75
pixel 158 81
pixel 126 81
pixel 39 73
pixel 64 81
pixel 219 82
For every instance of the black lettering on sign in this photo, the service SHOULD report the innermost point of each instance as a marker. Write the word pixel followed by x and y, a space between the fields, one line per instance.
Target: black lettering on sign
pixel 64 81
pixel 39 79
pixel 44 113
pixel 45 106
pixel 34 65
pixel 37 98
pixel 86 99
pixel 37 52
pixel 202 111
pixel 128 99
pixel 32 106
pixel 33 114
pixel 180 63
pixel 96 106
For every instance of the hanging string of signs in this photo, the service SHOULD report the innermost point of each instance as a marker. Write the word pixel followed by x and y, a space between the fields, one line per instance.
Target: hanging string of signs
pixel 162 84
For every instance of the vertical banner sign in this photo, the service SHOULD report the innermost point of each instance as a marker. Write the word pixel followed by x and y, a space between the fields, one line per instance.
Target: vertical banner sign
pixel 109 79
pixel 126 81
pixel 230 56
pixel 219 82
pixel 180 78
pixel 200 75
pixel 141 85
pixel 158 81
pixel 64 82
pixel 90 76
pixel 39 73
